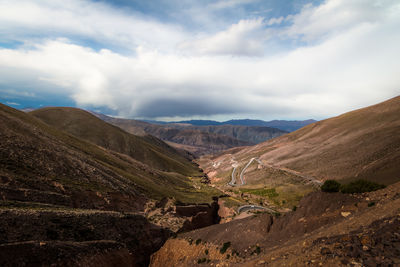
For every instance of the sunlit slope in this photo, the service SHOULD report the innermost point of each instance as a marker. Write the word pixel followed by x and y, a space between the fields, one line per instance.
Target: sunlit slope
pixel 150 151
pixel 364 143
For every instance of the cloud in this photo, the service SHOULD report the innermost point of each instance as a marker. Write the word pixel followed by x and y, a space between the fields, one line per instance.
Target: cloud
pixel 230 3
pixel 334 17
pixel 222 75
pixel 12 103
pixel 243 39
pixel 96 21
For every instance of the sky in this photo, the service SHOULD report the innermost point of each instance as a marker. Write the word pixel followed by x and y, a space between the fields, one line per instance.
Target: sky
pixel 200 59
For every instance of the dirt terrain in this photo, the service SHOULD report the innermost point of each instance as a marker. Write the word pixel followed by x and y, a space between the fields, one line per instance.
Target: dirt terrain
pixel 327 229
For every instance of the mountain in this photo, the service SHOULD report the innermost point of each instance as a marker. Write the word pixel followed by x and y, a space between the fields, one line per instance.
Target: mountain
pixel 46 162
pixel 284 125
pixel 288 126
pixel 199 122
pixel 145 149
pixel 320 229
pixel 198 140
pixel 93 198
pixel 360 144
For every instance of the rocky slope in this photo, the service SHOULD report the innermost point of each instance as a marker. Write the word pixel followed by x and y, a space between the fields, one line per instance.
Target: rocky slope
pixel 72 202
pixel 327 229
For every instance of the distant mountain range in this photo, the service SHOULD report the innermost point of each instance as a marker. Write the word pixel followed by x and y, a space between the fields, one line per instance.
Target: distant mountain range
pixel 285 125
pixel 198 139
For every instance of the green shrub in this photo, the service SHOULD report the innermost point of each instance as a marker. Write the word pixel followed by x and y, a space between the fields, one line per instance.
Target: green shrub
pixel 206 251
pixel 370 204
pixel 361 186
pixel 198 241
pixel 330 186
pixel 225 246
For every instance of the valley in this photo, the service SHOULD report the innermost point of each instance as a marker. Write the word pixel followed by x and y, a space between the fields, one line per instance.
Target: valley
pixel 79 188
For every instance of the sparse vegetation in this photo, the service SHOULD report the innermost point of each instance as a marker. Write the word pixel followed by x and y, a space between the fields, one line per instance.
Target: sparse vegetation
pixel 331 186
pixel 225 246
pixel 370 204
pixel 206 251
pixel 198 241
pixel 265 192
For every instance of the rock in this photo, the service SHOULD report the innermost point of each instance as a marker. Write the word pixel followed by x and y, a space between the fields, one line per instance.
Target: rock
pixel 345 213
pixel 325 251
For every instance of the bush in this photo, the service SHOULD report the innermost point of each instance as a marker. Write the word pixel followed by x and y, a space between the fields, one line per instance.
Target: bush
pixel 330 186
pixel 361 186
pixel 225 247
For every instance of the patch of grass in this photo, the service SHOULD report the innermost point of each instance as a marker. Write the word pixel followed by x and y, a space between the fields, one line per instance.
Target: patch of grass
pixel 264 192
pixel 225 246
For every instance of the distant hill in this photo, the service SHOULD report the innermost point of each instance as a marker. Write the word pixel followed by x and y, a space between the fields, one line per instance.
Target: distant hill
pixel 288 126
pixel 284 125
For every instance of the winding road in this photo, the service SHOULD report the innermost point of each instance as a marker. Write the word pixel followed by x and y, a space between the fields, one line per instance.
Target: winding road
pixel 308 179
pixel 253 207
pixel 233 180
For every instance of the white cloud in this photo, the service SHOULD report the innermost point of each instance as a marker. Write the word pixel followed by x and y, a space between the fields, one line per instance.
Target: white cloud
pixel 222 4
pixel 244 38
pixel 273 21
pixel 353 64
pixel 335 16
pixel 99 22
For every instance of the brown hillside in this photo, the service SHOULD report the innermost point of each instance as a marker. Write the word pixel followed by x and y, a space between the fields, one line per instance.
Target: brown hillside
pixel 360 144
pixel 40 163
pixel 327 229
pixel 82 124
